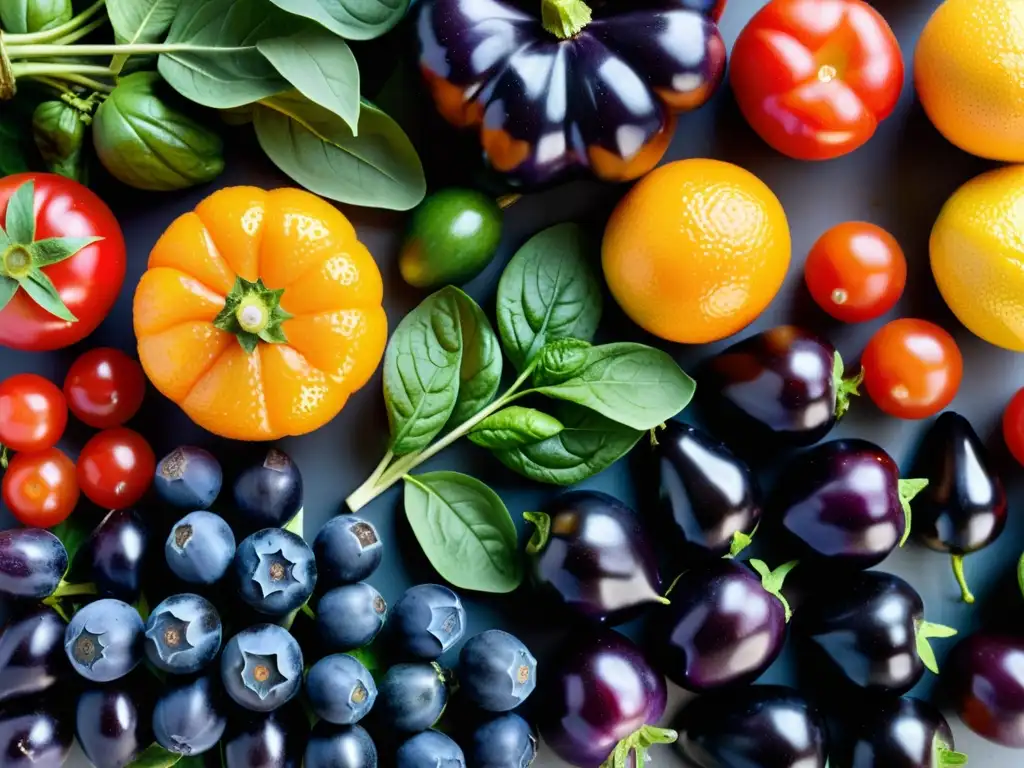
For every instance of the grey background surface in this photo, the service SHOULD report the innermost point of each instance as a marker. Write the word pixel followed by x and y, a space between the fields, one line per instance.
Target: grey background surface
pixel 899 180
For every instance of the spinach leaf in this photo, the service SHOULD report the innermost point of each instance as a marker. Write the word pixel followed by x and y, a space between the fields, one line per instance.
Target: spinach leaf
pixel 465 531
pixel 139 21
pixel 354 19
pixel 379 168
pixel 588 444
pixel 481 361
pixel 155 756
pixel 515 426
pixel 559 361
pixel 18 17
pixel 633 384
pixel 421 372
pixel 548 291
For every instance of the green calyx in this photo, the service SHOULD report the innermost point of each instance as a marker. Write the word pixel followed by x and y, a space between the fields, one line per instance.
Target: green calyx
pixel 542 531
pixel 740 541
pixel 907 490
pixel 23 258
pixel 845 388
pixel 565 18
pixel 253 313
pixel 924 631
pixel 958 572
pixel 636 746
pixel 947 757
pixel 772 581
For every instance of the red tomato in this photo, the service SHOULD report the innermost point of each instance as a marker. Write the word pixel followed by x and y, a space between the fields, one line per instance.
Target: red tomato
pixel 87 282
pixel 912 368
pixel 814 78
pixel 1013 426
pixel 33 413
pixel 40 488
pixel 105 388
pixel 856 272
pixel 116 468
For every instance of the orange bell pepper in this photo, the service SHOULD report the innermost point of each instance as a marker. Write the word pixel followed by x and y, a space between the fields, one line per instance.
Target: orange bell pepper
pixel 260 313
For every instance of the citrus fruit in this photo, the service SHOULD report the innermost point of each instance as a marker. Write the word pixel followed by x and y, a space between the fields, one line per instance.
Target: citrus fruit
pixel 696 250
pixel 977 254
pixel 969 73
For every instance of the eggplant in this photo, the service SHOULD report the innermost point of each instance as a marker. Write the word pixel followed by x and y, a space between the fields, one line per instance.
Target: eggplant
pixel 871 627
pixel 903 733
pixel 34 733
pixel 709 494
pixel 32 563
pixel 590 555
pixel 558 95
pixel 763 726
pixel 844 503
pixel 963 508
pixel 115 554
pixel 985 678
pixel 274 740
pixel 785 384
pixel 31 653
pixel 112 724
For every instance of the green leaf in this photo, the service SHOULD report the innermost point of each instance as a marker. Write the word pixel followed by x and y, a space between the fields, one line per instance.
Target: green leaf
pixel 633 384
pixel 53 250
pixel 73 533
pixel 515 426
pixel 559 360
pixel 465 531
pixel 8 287
pixel 296 523
pixel 155 756
pixel 908 489
pixel 924 632
pixel 321 67
pixel 480 374
pixel 379 168
pixel 548 291
pixel 19 17
pixel 139 21
pixel 42 291
pixel 142 606
pixel 20 223
pixel 354 19
pixel 772 581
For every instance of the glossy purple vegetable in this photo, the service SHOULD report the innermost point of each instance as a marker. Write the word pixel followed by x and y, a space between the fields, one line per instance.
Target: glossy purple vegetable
pixel 32 563
pixel 725 625
pixel 590 554
pixel 844 502
pixel 557 94
pixel 985 676
pixel 112 723
pixel 115 552
pixel 963 509
pixel 903 733
pixel 34 733
pixel 31 653
pixel 600 693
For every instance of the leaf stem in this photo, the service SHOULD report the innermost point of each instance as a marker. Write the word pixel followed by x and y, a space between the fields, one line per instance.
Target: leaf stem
pixel 57 32
pixel 78 34
pixel 108 49
pixel 958 572
pixel 308 611
pixel 22 69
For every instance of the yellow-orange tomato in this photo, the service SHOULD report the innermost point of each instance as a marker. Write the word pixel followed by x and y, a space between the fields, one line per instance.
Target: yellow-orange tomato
pixel 208 298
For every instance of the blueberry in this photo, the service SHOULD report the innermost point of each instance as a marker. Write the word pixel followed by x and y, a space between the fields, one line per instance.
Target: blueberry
pixel 188 478
pixel 269 494
pixel 412 697
pixel 348 549
pixel 350 617
pixel 345 746
pixel 32 562
pixel 340 689
pixel 189 718
pixel 104 640
pixel 112 725
pixel 183 634
pixel 116 551
pixel 275 571
pixel 272 740
pixel 262 667
pixel 505 742
pixel 427 621
pixel 430 749
pixel 200 548
pixel 496 671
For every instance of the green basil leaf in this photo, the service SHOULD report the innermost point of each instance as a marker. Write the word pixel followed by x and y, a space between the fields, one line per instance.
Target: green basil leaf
pixel 421 372
pixel 59 131
pixel 354 19
pixel 633 384
pixel 155 756
pixel 548 291
pixel 480 373
pixel 588 444
pixel 515 426
pixel 379 168
pixel 465 531
pixel 19 17
pixel 139 21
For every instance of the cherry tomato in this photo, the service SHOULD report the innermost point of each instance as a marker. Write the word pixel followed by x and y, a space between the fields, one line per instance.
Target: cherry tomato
pixel 912 368
pixel 856 272
pixel 105 388
pixel 814 78
pixel 40 488
pixel 1013 426
pixel 116 468
pixel 33 413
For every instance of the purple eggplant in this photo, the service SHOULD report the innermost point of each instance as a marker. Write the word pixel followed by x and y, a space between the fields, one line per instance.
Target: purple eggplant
pixel 590 554
pixel 112 723
pixel 903 733
pixel 844 502
pixel 556 94
pixel 115 554
pixel 34 733
pixel 763 726
pixel 985 676
pixel 784 384
pixel 32 563
pixel 709 494
pixel 871 626
pixel 963 509
pixel 725 625
pixel 31 653
pixel 600 699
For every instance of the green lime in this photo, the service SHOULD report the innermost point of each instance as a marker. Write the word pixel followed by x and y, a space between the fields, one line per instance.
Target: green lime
pixel 453 235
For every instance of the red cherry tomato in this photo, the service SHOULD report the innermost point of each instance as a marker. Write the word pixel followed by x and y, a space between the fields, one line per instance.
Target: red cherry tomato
pixel 1013 426
pixel 33 413
pixel 814 78
pixel 116 468
pixel 87 282
pixel 856 272
pixel 105 388
pixel 912 368
pixel 40 488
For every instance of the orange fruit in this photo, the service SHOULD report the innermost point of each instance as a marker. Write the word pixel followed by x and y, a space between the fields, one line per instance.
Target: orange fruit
pixel 696 250
pixel 210 339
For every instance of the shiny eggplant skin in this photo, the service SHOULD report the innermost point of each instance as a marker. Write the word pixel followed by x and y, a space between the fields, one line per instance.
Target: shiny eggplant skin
pixel 31 653
pixel 767 726
pixel 274 740
pixel 34 733
pixel 112 723
pixel 985 677
pixel 116 551
pixel 900 733
pixel 602 101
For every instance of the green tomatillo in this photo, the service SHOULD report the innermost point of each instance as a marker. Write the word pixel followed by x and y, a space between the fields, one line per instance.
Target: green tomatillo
pixel 59 130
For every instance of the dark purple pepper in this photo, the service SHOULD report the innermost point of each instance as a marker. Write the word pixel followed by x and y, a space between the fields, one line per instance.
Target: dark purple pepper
pixel 985 676
pixel 903 733
pixel 31 653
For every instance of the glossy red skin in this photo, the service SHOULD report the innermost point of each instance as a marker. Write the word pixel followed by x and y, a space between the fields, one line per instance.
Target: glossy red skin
pixel 33 413
pixel 104 388
pixel 985 674
pixel 116 468
pixel 40 488
pixel 88 282
pixel 780 74
pixel 1013 426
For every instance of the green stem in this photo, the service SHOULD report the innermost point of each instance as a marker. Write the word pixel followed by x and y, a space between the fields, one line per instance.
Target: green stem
pixel 78 34
pixel 772 581
pixel 57 32
pixel 542 531
pixel 58 70
pixel 565 18
pixel 382 467
pixel 632 750
pixel 945 757
pixel 49 50
pixel 907 490
pixel 72 590
pixel 308 611
pixel 845 388
pixel 87 82
pixel 60 87
pixel 958 572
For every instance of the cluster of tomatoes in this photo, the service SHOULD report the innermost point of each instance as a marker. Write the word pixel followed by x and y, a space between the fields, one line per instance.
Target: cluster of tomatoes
pixel 104 389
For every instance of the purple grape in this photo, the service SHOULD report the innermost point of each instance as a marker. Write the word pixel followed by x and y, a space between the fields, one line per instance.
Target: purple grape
pixel 112 725
pixel 32 563
pixel 31 653
pixel 188 478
